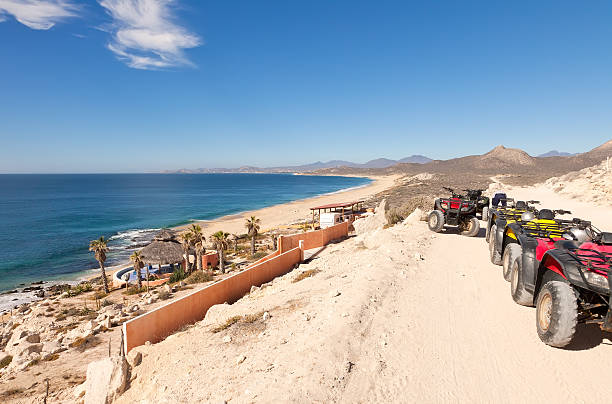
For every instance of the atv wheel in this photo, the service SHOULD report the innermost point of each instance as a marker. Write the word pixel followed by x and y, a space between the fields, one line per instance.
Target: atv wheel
pixel 517 284
pixel 485 213
pixel 472 227
pixel 511 253
pixel 435 222
pixel 556 313
pixel 494 254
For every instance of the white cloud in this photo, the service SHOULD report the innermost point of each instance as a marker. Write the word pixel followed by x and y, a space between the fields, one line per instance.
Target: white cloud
pixel 146 35
pixel 38 14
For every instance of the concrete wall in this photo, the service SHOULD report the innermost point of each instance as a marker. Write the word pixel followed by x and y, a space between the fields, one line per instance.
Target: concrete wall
pixel 163 321
pixel 314 239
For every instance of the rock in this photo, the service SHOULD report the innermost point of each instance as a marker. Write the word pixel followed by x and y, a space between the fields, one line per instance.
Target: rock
pixel 240 359
pixel 335 293
pixel 134 358
pixel 90 325
pixel 370 223
pixel 134 308
pixel 254 289
pixel 101 317
pixel 147 343
pixel 24 349
pixel 416 216
pixel 151 300
pixel 182 284
pixel 106 380
pixel 307 317
pixel 79 391
pixel 227 339
pixel 419 257
pixel 266 316
pixel 168 288
pixel 52 347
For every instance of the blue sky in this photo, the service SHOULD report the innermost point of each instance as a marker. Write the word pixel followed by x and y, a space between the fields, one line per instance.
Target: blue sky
pixel 147 85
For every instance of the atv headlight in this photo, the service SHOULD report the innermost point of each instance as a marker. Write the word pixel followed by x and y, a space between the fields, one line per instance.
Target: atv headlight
pixel 597 280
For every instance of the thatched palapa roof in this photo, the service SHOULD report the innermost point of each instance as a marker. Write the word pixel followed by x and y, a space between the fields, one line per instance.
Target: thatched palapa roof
pixel 162 252
pixel 165 235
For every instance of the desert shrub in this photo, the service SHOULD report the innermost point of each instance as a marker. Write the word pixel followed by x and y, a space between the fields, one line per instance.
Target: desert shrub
pixel 199 277
pixel 228 323
pixel 51 357
pixel 33 363
pixel 422 202
pixel 107 302
pixel 100 294
pixel 134 290
pixel 393 216
pixel 6 361
pixel 259 254
pixel 164 294
pixel 79 289
pixel 306 274
pixel 251 318
pixel 177 275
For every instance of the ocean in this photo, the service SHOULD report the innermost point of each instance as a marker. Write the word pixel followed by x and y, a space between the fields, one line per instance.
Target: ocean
pixel 47 221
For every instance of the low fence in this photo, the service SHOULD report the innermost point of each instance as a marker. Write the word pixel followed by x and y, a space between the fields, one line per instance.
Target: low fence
pixel 157 324
pixel 314 239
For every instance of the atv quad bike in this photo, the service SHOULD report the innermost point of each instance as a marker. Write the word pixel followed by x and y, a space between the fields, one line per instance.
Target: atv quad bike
pixel 501 231
pixel 509 211
pixel 454 211
pixel 573 284
pixel 482 202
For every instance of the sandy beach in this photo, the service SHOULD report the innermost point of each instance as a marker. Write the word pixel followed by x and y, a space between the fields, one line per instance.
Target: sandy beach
pixel 296 211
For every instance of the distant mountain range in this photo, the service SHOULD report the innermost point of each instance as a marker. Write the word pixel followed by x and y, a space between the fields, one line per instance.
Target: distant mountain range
pixel 319 165
pixel 556 153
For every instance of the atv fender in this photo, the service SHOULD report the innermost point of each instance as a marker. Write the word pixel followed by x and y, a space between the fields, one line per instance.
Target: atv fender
pixel 529 262
pixel 498 238
pixel 550 268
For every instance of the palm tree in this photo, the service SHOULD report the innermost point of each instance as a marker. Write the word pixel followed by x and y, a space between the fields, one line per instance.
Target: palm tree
pixel 220 239
pixel 186 241
pixel 136 259
pixel 252 226
pixel 198 243
pixel 100 248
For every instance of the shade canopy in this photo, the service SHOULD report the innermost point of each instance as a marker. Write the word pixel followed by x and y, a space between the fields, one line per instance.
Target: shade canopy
pixel 162 252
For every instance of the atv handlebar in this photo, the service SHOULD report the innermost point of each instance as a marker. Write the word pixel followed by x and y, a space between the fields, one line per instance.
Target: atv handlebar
pixel 562 212
pixel 533 202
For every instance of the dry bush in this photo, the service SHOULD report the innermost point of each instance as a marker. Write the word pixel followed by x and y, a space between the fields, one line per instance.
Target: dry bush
pixel 396 215
pixel 6 361
pixel 306 274
pixel 164 294
pixel 228 323
pixel 199 277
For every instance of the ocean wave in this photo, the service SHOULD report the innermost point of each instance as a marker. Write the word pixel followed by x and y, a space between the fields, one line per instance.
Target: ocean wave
pixel 131 234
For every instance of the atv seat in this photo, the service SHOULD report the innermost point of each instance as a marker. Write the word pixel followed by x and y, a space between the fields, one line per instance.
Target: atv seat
pixel 499 197
pixel 606 238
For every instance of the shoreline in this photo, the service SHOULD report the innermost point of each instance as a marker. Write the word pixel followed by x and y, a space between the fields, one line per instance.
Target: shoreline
pixel 270 217
pixel 294 211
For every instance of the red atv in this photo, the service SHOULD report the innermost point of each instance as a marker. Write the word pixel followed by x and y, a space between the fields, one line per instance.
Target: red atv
pixel 573 286
pixel 454 211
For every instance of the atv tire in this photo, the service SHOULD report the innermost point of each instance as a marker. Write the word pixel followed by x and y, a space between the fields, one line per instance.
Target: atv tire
pixel 512 252
pixel 472 228
pixel 485 213
pixel 517 284
pixel 435 221
pixel 556 313
pixel 494 254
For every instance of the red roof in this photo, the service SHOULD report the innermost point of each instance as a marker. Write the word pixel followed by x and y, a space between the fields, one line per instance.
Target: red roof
pixel 336 205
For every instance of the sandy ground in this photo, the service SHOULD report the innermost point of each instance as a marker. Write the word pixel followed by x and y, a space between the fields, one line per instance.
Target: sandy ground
pixel 394 315
pixel 297 211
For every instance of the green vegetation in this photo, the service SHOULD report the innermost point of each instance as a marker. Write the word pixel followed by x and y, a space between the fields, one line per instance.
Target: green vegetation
pixel 79 289
pixel 177 275
pixel 134 290
pixel 136 259
pixel 100 248
pixel 252 226
pixel 199 277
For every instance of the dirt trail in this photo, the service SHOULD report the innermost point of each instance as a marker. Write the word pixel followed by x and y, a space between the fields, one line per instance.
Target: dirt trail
pixel 394 315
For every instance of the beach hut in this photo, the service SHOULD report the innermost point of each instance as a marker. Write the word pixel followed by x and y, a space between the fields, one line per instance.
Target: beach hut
pixel 163 250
